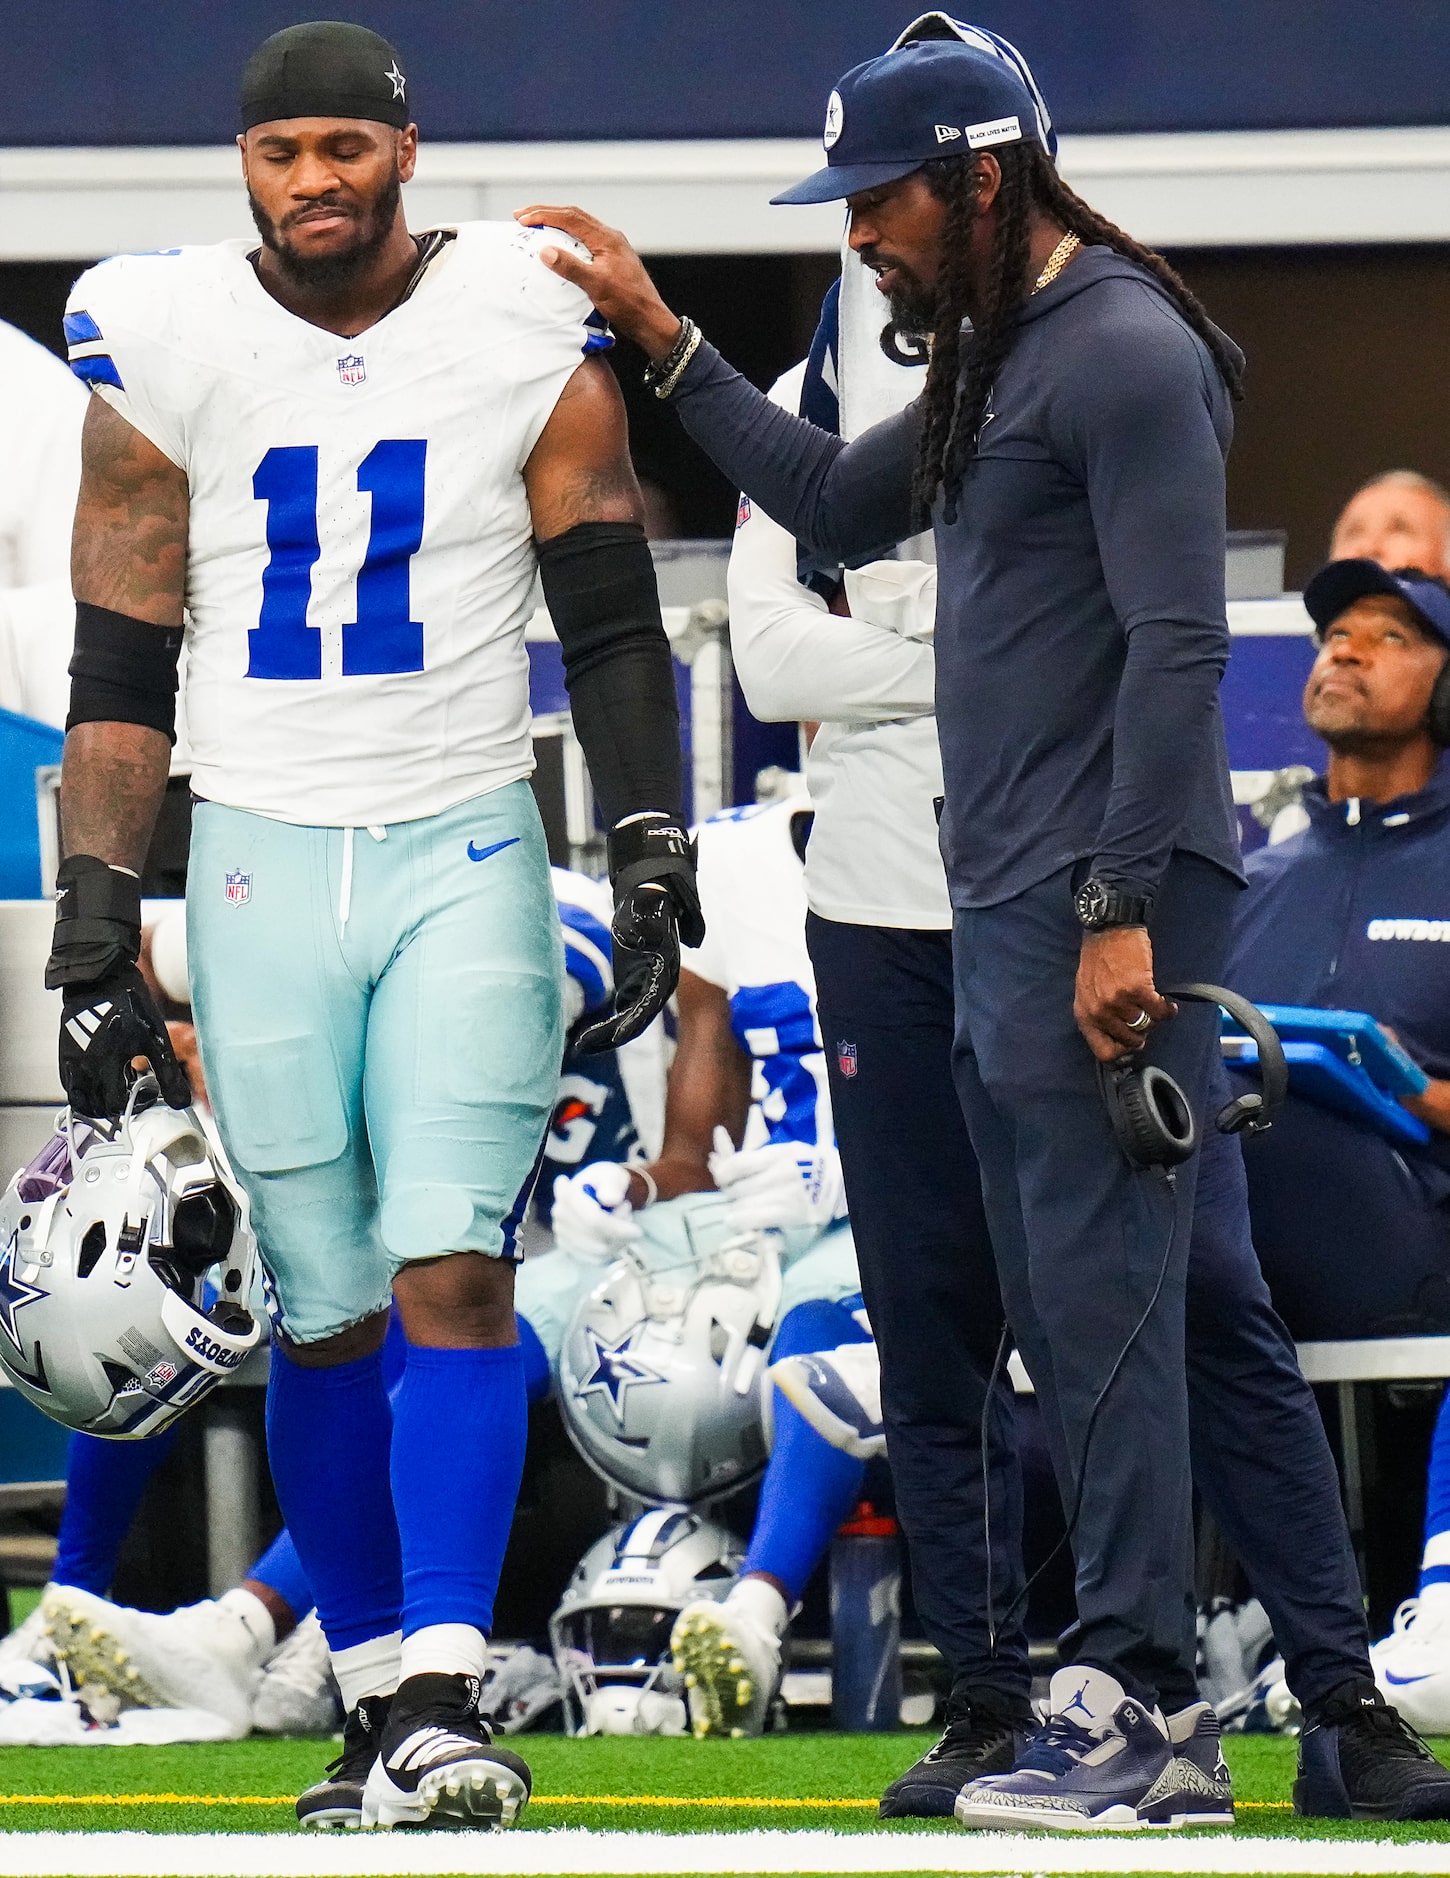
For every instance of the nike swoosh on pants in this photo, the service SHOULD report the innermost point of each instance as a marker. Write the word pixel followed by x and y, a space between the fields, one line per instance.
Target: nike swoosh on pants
pixel 482 854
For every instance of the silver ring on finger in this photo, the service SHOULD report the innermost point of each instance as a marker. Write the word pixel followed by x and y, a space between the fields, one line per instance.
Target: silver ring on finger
pixel 1141 1022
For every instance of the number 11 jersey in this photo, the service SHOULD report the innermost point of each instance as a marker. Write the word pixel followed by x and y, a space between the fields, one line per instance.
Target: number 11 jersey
pixel 360 564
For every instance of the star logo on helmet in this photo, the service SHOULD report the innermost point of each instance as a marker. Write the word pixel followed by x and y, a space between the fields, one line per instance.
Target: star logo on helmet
pixel 615 1370
pixel 14 1292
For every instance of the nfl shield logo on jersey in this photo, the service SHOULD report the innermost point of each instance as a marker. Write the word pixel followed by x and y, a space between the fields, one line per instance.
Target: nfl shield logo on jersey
pixel 351 369
pixel 846 1058
pixel 239 888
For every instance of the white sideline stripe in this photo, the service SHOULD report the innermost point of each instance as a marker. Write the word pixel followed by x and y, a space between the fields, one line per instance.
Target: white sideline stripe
pixel 570 1851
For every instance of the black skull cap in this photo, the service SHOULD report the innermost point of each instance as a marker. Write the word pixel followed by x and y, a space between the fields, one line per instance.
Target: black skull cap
pixel 325 68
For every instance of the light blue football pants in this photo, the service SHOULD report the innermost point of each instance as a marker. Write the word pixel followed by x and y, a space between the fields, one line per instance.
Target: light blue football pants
pixel 381 1026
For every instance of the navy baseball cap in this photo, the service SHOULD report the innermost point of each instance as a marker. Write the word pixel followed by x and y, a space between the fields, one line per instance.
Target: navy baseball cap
pixel 932 98
pixel 1336 587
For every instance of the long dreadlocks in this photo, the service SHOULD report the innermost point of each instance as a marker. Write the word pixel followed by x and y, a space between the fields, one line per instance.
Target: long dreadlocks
pixel 964 365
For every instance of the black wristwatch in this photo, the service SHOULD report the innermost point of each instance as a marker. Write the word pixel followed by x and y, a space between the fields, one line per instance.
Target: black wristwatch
pixel 1100 906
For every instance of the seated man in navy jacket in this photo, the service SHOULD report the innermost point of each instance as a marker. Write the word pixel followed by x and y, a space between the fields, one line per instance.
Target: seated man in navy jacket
pixel 1353 913
pixel 1353 1227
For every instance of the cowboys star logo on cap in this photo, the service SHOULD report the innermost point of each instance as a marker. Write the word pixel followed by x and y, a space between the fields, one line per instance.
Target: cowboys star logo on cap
pixel 835 119
pixel 399 83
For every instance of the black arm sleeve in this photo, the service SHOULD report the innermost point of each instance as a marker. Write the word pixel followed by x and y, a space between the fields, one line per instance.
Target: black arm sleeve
pixel 848 502
pixel 599 587
pixel 123 671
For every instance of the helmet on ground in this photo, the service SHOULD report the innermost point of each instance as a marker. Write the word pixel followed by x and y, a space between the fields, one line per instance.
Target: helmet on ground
pixel 611 1632
pixel 106 1240
pixel 661 1373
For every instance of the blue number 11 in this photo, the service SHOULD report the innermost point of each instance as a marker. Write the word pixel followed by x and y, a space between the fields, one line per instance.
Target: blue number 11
pixel 382 638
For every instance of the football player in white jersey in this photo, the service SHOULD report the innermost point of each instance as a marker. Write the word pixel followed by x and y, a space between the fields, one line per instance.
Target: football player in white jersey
pixel 336 463
pixel 747 1110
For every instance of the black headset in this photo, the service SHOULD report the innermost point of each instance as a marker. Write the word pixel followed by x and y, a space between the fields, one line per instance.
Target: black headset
pixel 1150 1113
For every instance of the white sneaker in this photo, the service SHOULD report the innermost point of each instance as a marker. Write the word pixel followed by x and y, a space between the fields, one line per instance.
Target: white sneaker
pixel 1412 1664
pixel 838 1392
pixel 731 1665
pixel 297 1694
pixel 204 1656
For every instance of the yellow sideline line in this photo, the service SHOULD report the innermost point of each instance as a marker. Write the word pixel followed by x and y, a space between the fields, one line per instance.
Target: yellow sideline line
pixel 540 1799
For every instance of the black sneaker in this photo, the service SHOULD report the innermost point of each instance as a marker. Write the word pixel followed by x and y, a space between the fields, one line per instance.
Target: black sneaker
pixel 984 1735
pixel 336 1803
pixel 1359 1759
pixel 438 1766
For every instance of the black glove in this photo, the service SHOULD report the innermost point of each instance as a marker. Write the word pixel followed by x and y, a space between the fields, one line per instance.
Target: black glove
pixel 108 1016
pixel 656 910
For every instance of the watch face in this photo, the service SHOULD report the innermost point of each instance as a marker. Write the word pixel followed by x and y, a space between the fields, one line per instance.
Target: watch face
pixel 1092 901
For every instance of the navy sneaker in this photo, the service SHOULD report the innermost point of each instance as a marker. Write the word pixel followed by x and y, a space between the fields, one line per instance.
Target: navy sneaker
pixel 985 1733
pixel 1194 1789
pixel 1089 1768
pixel 1359 1759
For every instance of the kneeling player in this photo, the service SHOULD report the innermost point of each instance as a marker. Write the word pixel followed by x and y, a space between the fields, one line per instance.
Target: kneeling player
pixel 748 1069
pixel 348 453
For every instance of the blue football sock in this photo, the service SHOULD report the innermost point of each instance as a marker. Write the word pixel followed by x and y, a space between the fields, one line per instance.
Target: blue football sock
pixel 809 1487
pixel 280 1570
pixel 104 1484
pixel 328 1436
pixel 460 1423
pixel 537 1379
pixel 1436 1568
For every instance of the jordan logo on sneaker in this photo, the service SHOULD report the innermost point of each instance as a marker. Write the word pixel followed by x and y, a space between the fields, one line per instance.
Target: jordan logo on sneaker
pixel 1077 1702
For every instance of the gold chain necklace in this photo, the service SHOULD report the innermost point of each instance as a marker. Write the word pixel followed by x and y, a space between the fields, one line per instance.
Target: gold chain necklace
pixel 1056 262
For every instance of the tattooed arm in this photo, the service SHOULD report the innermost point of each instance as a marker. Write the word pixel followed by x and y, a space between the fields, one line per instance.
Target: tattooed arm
pixel 128 553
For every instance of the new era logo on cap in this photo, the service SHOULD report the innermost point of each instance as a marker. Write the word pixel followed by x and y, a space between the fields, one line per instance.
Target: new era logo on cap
pixel 947 133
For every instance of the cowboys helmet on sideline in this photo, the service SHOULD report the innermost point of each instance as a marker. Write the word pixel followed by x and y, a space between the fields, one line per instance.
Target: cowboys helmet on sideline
pixel 661 1378
pixel 106 1240
pixel 611 1632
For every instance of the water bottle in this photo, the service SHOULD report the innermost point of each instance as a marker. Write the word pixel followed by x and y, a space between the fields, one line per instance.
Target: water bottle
pixel 866 1623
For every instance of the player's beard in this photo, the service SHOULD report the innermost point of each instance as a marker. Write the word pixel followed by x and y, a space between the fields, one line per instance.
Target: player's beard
pixel 340 268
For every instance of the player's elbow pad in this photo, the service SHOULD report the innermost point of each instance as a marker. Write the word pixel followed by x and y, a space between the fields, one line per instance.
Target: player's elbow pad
pixel 599 587
pixel 123 671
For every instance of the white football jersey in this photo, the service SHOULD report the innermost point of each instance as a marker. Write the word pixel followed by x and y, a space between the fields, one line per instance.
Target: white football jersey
pixel 753 896
pixel 360 561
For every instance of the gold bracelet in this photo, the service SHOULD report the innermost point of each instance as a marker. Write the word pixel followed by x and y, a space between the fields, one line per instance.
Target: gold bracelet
pixel 669 380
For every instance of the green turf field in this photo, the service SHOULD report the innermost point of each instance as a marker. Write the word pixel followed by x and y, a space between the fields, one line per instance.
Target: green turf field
pixel 800 1781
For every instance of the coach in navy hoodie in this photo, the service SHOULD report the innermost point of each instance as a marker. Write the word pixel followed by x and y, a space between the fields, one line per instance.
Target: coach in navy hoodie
pixel 1070 452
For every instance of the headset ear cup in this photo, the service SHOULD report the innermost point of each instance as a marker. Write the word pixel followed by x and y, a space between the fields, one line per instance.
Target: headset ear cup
pixel 1438 720
pixel 1172 1118
pixel 1149 1113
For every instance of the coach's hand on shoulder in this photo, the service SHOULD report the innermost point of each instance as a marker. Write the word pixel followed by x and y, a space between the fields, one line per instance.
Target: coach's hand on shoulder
pixel 656 910
pixel 1115 990
pixel 614 277
pixel 108 1016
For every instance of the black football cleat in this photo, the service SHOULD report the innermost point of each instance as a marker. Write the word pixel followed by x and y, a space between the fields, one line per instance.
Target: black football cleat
pixel 438 1765
pixel 336 1803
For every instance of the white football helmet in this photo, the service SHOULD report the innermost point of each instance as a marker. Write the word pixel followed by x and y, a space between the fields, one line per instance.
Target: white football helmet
pixel 611 1632
pixel 661 1373
pixel 106 1240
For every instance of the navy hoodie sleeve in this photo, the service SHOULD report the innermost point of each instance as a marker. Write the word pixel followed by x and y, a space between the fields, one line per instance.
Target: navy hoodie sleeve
pixel 1144 420
pixel 848 503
